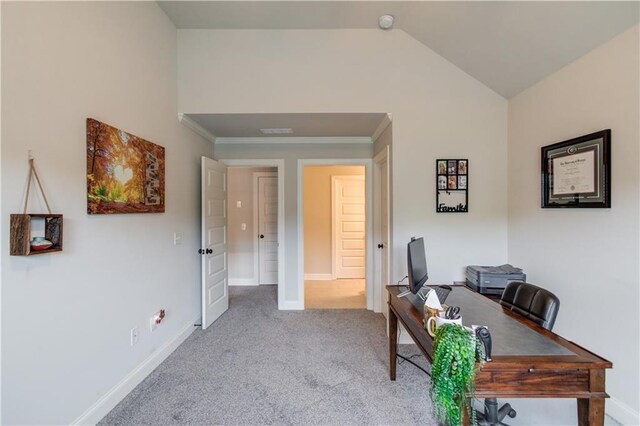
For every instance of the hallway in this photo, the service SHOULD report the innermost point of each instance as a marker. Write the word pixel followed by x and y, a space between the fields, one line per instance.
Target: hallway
pixel 335 294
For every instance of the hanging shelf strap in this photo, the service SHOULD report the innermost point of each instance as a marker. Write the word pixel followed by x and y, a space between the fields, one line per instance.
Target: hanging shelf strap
pixel 32 172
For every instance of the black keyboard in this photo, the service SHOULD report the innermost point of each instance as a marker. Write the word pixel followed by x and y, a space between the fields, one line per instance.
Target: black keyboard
pixel 442 291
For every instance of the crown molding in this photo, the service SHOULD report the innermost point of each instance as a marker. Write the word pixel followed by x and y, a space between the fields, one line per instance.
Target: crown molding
pixel 295 140
pixel 381 127
pixel 184 119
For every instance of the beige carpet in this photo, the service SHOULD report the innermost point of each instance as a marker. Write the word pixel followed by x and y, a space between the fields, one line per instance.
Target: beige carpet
pixel 257 365
pixel 335 294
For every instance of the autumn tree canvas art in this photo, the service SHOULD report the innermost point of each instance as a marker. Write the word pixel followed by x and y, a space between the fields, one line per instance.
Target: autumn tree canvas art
pixel 125 173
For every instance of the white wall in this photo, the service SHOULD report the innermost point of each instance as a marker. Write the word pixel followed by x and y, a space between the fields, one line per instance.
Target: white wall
pixel 240 244
pixel 66 317
pixel 588 257
pixel 438 112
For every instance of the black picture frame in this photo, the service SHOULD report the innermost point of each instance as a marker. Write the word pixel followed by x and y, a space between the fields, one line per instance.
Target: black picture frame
pixel 582 175
pixel 452 177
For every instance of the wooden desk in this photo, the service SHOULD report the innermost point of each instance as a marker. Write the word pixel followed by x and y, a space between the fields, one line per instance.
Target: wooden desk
pixel 576 373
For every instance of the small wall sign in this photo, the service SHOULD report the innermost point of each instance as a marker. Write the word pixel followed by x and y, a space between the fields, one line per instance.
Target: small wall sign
pixel 452 185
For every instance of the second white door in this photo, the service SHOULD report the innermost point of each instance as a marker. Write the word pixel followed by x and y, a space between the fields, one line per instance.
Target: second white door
pixel 349 225
pixel 268 229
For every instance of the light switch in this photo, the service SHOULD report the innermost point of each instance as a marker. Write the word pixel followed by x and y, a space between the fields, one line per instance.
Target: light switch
pixel 243 226
pixel 177 238
pixel 238 204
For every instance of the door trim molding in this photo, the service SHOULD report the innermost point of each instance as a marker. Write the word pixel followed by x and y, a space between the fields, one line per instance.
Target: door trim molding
pixel 384 156
pixel 279 164
pixel 334 227
pixel 367 163
pixel 256 224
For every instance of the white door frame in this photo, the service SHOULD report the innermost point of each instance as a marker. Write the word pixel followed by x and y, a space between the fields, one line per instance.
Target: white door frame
pixel 279 164
pixel 383 157
pixel 367 163
pixel 256 243
pixel 334 219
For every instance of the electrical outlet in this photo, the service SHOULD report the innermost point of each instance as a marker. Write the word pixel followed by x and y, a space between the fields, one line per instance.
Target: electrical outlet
pixel 134 336
pixel 156 319
pixel 239 204
pixel 243 226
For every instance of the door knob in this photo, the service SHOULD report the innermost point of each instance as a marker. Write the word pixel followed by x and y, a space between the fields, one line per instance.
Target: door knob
pixel 380 245
pixel 201 251
pixel 209 251
pixel 261 236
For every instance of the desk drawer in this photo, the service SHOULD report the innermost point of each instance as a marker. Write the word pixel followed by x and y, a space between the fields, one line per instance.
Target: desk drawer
pixel 538 381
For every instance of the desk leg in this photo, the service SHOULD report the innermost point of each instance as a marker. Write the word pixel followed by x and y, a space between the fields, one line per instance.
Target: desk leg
pixel 591 411
pixel 393 343
pixel 466 420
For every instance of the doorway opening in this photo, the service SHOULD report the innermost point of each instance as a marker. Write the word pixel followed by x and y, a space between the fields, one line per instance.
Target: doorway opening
pixel 335 236
pixel 255 211
pixel 253 225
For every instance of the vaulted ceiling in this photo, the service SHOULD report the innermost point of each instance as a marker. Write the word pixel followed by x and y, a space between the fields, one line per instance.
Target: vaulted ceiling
pixel 507 45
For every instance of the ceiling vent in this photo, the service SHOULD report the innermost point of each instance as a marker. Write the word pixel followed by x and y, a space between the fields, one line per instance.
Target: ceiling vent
pixel 283 131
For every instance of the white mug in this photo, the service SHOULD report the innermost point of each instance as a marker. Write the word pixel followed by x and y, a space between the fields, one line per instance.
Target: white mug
pixel 434 322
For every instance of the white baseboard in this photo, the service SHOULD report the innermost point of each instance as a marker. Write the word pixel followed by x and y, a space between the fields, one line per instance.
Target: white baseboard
pixel 242 281
pixel 318 277
pixel 292 305
pixel 621 412
pixel 116 394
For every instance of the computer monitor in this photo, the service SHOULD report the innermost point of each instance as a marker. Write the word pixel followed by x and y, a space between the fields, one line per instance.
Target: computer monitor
pixel 416 264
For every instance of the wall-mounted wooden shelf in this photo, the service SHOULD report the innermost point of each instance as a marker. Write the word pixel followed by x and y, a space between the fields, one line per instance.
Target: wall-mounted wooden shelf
pixel 21 233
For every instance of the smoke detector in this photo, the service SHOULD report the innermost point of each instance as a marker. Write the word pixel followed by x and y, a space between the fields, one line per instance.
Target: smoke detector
pixel 385 22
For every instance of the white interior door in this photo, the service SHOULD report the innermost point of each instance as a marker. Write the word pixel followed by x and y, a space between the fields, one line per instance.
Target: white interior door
pixel 383 245
pixel 381 230
pixel 215 291
pixel 349 226
pixel 268 229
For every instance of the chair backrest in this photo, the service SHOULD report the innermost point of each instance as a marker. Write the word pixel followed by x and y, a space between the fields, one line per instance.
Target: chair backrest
pixel 532 302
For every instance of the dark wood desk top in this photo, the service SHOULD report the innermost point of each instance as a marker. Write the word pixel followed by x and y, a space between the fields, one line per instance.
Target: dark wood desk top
pixel 550 367
pixel 550 351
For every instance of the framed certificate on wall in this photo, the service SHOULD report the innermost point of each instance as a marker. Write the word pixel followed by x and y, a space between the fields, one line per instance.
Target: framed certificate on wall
pixel 576 173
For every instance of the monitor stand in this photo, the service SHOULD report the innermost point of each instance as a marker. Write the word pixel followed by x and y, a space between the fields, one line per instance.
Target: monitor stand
pixel 416 299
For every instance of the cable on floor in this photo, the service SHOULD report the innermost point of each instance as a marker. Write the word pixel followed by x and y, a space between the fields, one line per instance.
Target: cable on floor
pixel 416 365
pixel 411 357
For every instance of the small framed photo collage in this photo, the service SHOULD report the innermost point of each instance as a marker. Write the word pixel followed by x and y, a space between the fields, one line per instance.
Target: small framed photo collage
pixel 452 183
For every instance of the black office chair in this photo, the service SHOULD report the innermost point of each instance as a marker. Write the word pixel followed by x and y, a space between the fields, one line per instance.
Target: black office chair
pixel 536 304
